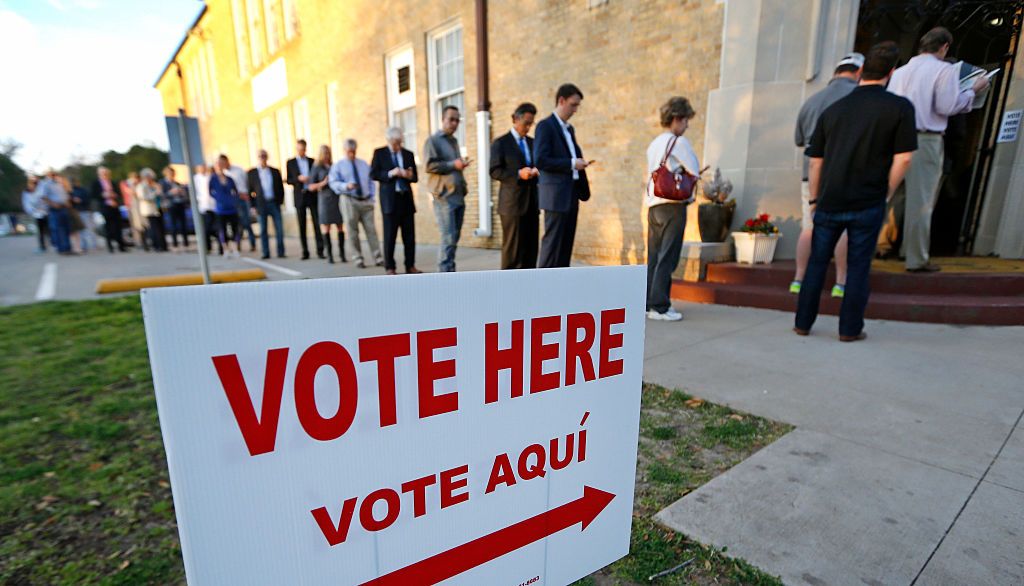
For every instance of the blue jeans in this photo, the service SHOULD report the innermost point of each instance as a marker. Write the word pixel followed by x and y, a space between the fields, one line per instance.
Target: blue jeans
pixel 862 227
pixel 244 224
pixel 274 211
pixel 449 213
pixel 60 229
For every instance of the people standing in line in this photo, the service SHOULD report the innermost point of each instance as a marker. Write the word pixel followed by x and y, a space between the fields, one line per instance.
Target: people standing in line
pixel 174 199
pixel 51 193
pixel 447 185
pixel 147 193
pixel 35 208
pixel 563 177
pixel 83 205
pixel 933 87
pixel 241 179
pixel 860 151
pixel 104 192
pixel 845 78
pixel 207 207
pixel 298 170
pixel 350 177
pixel 395 169
pixel 512 165
pixel 328 208
pixel 136 221
pixel 225 196
pixel 267 191
pixel 666 218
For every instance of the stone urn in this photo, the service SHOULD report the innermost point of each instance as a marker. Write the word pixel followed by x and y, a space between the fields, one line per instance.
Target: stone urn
pixel 714 220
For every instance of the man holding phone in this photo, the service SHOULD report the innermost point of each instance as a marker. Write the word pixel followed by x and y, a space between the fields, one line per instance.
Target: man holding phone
pixel 563 178
pixel 447 184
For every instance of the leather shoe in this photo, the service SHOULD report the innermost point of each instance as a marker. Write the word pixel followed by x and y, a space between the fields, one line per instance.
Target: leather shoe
pixel 361 265
pixel 413 271
pixel 926 268
pixel 305 256
pixel 856 338
pixel 392 272
pixel 800 332
pixel 265 256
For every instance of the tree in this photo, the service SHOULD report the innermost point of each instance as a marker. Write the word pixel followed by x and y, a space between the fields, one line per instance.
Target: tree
pixel 135 159
pixel 12 182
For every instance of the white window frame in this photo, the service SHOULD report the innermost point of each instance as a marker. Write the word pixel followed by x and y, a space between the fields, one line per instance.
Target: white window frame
pixel 257 43
pixel 333 124
pixel 252 136
pixel 241 24
pixel 291 19
pixel 211 69
pixel 403 56
pixel 285 135
pixel 274 29
pixel 300 111
pixel 432 65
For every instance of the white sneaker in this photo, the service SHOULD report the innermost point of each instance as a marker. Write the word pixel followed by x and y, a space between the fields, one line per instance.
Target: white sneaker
pixel 670 315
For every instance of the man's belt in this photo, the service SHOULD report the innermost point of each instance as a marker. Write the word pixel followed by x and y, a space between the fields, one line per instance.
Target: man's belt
pixel 358 197
pixel 938 132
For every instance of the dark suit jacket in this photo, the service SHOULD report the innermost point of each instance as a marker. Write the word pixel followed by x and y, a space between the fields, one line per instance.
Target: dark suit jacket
pixel 556 190
pixel 515 197
pixel 255 186
pixel 292 172
pixel 97 192
pixel 390 202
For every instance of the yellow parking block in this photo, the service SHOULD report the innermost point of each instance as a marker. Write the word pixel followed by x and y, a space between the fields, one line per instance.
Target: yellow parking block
pixel 137 283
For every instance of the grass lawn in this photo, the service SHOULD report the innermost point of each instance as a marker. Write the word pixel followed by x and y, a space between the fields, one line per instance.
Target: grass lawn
pixel 84 493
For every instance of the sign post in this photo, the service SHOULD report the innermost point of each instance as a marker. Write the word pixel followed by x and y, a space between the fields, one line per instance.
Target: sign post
pixel 186 149
pixel 479 428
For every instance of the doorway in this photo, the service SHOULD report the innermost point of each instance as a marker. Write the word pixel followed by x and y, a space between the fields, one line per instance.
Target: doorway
pixel 986 33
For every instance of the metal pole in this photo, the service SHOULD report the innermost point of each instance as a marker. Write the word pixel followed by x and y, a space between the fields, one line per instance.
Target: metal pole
pixel 197 221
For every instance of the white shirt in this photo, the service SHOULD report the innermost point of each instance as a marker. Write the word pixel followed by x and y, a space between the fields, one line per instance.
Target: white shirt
pixel 32 206
pixel 203 198
pixel 933 87
pixel 568 141
pixel 266 182
pixel 682 155
pixel 240 177
pixel 303 165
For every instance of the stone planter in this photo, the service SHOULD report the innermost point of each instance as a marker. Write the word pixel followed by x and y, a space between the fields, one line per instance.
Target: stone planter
pixel 754 247
pixel 714 220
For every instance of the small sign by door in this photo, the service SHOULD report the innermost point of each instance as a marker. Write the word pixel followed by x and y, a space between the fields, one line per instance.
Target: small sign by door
pixel 1011 126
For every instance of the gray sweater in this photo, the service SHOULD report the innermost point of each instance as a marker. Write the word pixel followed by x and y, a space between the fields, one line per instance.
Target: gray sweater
pixel 444 180
pixel 836 89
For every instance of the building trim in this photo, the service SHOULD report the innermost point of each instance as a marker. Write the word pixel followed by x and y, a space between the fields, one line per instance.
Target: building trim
pixel 181 45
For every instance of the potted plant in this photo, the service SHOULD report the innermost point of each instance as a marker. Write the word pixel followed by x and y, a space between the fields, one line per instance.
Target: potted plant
pixel 715 215
pixel 756 240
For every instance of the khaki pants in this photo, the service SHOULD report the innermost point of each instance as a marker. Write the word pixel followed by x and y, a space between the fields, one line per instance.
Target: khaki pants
pixel 358 212
pixel 922 187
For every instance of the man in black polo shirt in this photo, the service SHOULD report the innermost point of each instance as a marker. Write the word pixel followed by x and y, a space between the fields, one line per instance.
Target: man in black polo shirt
pixel 859 153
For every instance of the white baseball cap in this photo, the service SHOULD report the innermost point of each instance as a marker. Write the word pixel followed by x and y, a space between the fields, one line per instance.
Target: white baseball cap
pixel 855 59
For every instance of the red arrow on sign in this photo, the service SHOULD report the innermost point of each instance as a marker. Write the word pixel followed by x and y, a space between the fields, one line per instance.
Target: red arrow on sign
pixel 492 546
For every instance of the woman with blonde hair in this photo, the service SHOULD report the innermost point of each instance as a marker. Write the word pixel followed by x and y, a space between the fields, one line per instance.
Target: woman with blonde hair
pixel 327 203
pixel 147 194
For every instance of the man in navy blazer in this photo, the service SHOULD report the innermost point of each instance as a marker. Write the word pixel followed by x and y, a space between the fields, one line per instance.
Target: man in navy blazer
pixel 395 169
pixel 512 166
pixel 563 178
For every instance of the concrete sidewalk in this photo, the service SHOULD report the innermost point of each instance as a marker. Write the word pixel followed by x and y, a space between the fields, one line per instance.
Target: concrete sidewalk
pixel 907 464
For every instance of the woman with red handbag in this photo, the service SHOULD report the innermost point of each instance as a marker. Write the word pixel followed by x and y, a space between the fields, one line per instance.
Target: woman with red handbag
pixel 673 170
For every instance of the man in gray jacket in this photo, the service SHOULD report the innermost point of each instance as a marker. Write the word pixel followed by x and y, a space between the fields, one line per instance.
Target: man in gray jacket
pixel 845 78
pixel 447 184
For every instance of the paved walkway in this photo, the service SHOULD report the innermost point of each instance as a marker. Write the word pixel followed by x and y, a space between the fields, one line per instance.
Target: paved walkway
pixel 907 462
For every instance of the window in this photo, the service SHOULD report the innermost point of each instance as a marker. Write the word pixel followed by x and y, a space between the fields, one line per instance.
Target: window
pixel 211 72
pixel 241 39
pixel 301 114
pixel 268 137
pixel 446 76
pixel 285 136
pixel 272 16
pixel 256 45
pixel 333 125
pixel 252 135
pixel 291 19
pixel 401 92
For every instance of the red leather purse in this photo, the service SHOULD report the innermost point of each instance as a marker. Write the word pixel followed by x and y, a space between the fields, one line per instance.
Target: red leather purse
pixel 674 185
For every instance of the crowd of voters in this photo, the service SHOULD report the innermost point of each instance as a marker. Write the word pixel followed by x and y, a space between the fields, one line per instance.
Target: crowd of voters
pixel 859 133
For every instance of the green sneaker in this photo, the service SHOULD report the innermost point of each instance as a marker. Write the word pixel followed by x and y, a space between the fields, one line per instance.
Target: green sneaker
pixel 794 287
pixel 838 291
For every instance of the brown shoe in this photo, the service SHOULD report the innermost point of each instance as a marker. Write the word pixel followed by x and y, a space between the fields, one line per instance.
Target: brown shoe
pixel 927 268
pixel 800 332
pixel 856 338
pixel 413 271
pixel 391 272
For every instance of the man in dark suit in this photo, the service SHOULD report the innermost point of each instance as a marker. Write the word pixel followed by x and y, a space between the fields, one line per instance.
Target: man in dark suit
pixel 104 191
pixel 395 168
pixel 298 173
pixel 512 165
pixel 267 191
pixel 563 177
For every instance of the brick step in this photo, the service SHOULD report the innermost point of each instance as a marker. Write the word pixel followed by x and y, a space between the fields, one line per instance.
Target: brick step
pixel 779 274
pixel 958 309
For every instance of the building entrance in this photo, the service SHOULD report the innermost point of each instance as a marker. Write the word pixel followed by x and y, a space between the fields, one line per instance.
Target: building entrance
pixel 985 34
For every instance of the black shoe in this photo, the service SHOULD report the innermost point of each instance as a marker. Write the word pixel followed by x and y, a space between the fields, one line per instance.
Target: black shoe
pixel 265 256
pixel 320 255
pixel 361 265
pixel 281 256
pixel 926 268
pixel 305 256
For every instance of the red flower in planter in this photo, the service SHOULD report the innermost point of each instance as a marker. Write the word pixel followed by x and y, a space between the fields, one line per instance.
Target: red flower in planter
pixel 750 223
pixel 764 217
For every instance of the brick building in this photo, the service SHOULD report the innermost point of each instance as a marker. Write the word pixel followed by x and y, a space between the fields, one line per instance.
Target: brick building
pixel 260 73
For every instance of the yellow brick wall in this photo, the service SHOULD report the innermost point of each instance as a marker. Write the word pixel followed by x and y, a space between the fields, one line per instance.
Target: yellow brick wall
pixel 627 56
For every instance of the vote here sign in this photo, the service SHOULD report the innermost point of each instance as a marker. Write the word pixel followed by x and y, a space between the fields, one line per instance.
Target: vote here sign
pixel 474 428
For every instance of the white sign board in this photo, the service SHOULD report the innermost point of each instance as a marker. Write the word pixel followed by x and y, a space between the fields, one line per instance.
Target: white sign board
pixel 479 428
pixel 1011 126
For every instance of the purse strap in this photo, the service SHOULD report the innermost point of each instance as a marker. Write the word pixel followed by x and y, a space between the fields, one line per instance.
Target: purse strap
pixel 668 151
